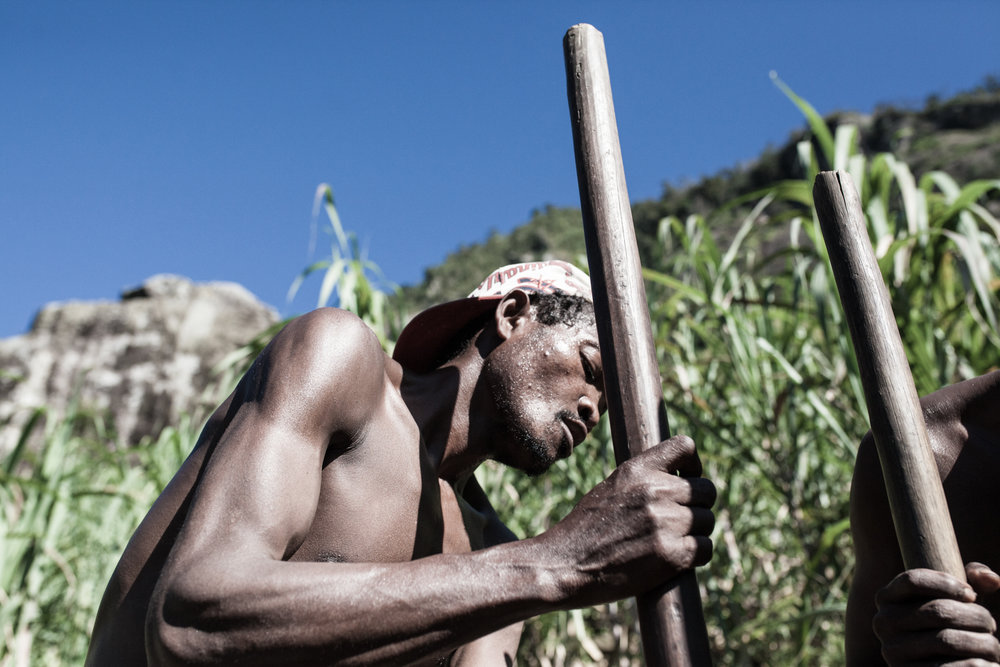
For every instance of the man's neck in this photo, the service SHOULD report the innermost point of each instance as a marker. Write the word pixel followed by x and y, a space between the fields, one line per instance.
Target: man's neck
pixel 439 403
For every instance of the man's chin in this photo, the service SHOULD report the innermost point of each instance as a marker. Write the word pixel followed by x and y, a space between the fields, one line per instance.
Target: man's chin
pixel 536 470
pixel 533 467
pixel 536 461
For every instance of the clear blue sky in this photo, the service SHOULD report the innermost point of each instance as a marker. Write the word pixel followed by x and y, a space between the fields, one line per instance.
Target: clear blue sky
pixel 189 137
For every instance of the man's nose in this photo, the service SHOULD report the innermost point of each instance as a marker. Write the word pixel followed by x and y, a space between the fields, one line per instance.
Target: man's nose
pixel 587 409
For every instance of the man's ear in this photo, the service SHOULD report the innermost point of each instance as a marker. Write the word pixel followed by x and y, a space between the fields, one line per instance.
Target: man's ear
pixel 513 311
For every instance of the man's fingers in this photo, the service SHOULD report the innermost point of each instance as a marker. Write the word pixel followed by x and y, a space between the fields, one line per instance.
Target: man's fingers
pixel 702 549
pixel 676 455
pixel 690 492
pixel 924 584
pixel 940 646
pixel 937 614
pixel 925 616
pixel 702 492
pixel 982 578
pixel 702 521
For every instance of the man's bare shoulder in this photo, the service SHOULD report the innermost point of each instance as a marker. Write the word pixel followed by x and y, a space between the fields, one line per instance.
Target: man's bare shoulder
pixel 963 420
pixel 324 359
pixel 971 401
pixel 334 331
pixel 951 414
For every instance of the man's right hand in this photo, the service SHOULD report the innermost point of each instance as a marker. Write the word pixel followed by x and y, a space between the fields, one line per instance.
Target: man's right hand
pixel 641 526
pixel 929 617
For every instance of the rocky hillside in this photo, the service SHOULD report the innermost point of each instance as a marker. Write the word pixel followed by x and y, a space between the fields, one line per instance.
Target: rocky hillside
pixel 146 359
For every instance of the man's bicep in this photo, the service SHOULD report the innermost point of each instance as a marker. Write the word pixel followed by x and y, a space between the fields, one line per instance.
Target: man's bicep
pixel 258 493
pixel 261 484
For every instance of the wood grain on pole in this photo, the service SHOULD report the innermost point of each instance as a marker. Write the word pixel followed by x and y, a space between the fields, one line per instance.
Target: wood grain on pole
pixel 916 496
pixel 671 619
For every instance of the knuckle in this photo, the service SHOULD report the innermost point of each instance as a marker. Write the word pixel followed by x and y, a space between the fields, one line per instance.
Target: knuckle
pixel 652 517
pixel 630 470
pixel 683 443
pixel 935 610
pixel 676 552
pixel 705 552
pixel 709 522
pixel 680 449
pixel 662 546
pixel 952 640
pixel 911 578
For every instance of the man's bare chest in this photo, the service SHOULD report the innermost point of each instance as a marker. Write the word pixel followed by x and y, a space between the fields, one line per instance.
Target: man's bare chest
pixel 383 502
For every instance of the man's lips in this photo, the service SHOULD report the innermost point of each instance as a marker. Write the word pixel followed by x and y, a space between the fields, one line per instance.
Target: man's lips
pixel 577 430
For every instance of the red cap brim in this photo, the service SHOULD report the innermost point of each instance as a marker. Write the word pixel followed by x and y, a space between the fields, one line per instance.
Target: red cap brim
pixel 426 341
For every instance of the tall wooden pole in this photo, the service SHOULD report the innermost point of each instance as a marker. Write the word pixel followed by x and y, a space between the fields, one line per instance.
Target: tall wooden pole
pixel 671 620
pixel 913 485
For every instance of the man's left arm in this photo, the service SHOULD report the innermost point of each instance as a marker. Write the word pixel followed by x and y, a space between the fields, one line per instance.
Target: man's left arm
pixel 500 647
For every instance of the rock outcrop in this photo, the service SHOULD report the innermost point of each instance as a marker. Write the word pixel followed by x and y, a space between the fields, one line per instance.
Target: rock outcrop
pixel 146 359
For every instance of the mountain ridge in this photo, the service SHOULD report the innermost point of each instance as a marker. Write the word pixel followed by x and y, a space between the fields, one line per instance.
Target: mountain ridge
pixel 960 136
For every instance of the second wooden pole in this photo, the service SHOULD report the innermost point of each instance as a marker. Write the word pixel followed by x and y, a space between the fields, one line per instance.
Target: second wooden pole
pixel 913 484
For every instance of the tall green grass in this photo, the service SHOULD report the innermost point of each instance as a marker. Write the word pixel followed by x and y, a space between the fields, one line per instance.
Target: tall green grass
pixel 70 504
pixel 349 279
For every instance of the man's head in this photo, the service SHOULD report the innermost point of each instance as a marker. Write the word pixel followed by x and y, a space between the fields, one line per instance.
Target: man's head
pixel 543 376
pixel 541 380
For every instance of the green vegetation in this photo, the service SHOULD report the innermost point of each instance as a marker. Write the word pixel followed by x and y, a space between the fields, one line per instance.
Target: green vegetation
pixel 760 371
pixel 757 367
pixel 355 282
pixel 69 506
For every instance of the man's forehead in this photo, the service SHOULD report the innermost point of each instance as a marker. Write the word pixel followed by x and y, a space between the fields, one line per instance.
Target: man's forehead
pixel 586 336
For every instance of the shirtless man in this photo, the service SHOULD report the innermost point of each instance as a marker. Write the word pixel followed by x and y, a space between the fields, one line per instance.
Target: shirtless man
pixel 922 616
pixel 329 512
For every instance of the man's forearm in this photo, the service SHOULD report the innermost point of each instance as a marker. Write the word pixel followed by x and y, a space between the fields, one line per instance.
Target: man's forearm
pixel 268 612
